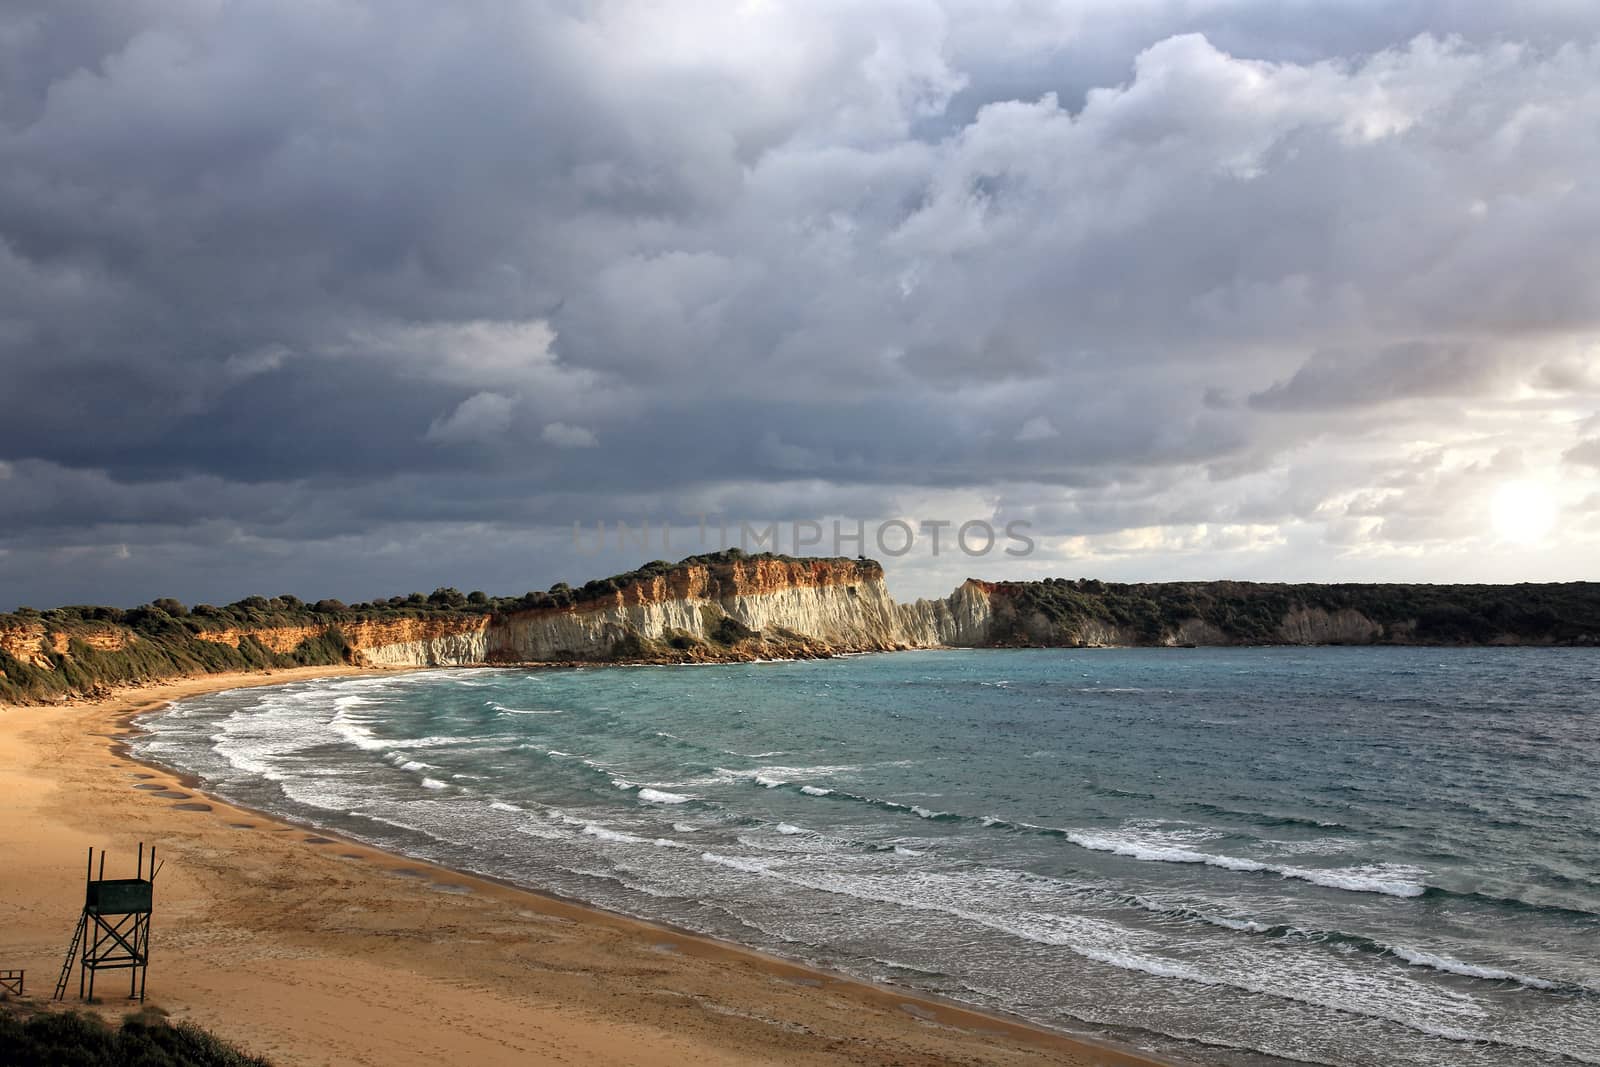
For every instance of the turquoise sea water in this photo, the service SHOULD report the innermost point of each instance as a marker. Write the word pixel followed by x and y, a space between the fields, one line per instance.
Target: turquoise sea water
pixel 1338 856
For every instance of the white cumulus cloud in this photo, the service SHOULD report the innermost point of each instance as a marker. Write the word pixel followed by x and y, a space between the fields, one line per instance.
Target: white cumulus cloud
pixel 481 417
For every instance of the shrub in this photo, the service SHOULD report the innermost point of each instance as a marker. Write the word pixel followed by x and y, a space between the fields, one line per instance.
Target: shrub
pixel 730 631
pixel 145 1039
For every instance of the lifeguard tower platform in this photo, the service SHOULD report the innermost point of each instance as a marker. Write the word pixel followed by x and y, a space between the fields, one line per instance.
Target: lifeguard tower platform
pixel 114 930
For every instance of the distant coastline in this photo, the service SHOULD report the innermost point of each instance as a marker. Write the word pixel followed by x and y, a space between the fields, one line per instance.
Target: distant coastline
pixel 729 607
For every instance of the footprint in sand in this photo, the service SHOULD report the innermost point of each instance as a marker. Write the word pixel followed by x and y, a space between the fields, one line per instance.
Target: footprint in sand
pixel 242 825
pixel 171 794
pixel 191 807
pixel 318 840
pixel 149 785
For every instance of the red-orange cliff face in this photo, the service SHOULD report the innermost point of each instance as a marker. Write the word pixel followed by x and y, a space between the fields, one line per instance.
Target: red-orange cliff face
pixel 279 639
pixel 704 609
pixel 31 642
pixel 731 578
pixel 735 608
pixel 361 636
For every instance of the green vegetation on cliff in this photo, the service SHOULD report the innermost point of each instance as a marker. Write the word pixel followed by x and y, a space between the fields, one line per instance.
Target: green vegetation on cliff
pixel 82 650
pixel 57 654
pixel 85 650
pixel 1059 611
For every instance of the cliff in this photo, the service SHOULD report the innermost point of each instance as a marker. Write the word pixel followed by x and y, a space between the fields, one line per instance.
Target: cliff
pixel 1057 612
pixel 729 606
pixel 721 607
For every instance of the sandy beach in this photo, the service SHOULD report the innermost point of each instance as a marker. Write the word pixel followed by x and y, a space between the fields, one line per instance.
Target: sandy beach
pixel 311 949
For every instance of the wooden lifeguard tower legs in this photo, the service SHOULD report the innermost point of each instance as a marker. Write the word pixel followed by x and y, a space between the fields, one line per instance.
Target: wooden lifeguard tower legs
pixel 113 932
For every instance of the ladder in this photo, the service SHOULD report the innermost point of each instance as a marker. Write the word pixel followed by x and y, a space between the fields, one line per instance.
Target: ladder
pixel 72 954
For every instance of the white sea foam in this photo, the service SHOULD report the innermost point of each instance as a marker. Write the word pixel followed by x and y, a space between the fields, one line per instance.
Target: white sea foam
pixel 747 864
pixel 605 833
pixel 815 791
pixel 502 709
pixel 658 796
pixel 1321 846
pixel 1248 926
pixel 1390 879
pixel 436 741
pixel 1470 970
pixel 354 732
pixel 901 850
pixel 500 805
pixel 413 766
pixel 433 783
pixel 927 813
pixel 1429 1011
pixel 772 776
pixel 790 828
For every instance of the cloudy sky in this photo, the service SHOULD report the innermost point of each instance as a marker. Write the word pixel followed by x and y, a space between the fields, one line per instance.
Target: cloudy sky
pixel 353 298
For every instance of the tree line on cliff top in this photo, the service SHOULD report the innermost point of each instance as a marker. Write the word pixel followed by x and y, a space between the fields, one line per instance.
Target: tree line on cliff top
pixel 258 612
pixel 170 643
pixel 1054 611
pixel 76 658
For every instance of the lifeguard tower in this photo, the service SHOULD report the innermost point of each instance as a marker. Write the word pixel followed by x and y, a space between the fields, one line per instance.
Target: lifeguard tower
pixel 114 930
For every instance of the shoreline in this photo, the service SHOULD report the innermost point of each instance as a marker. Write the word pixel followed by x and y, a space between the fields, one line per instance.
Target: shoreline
pixel 700 997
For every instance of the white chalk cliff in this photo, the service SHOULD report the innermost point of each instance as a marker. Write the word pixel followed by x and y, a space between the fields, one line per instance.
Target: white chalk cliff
pixel 733 609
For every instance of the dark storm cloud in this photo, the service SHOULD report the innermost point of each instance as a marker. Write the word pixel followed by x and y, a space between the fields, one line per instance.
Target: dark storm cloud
pixel 333 282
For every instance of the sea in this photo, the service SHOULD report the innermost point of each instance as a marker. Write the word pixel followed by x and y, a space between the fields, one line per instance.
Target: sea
pixel 1344 856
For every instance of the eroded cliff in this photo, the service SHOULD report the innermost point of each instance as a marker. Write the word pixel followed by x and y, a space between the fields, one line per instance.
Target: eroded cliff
pixel 729 606
pixel 740 608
